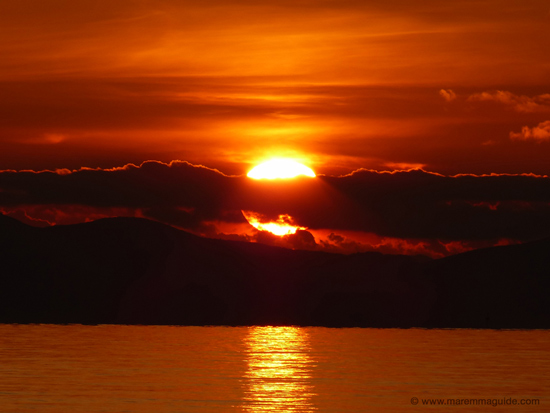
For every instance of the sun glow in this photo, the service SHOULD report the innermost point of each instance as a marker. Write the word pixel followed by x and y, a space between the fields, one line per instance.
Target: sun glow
pixel 280 370
pixel 280 169
pixel 283 225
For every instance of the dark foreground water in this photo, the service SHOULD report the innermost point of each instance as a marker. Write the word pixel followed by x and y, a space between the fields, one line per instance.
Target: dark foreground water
pixel 46 368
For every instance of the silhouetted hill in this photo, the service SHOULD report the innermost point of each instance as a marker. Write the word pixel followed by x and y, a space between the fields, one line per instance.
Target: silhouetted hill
pixel 499 287
pixel 136 271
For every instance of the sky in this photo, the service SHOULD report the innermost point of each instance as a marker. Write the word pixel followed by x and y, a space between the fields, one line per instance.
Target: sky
pixel 427 123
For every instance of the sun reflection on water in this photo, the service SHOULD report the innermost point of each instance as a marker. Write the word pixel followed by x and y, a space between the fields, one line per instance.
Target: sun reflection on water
pixel 279 370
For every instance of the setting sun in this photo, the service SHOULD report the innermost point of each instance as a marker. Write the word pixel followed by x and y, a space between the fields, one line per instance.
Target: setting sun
pixel 280 169
pixel 283 225
pixel 278 205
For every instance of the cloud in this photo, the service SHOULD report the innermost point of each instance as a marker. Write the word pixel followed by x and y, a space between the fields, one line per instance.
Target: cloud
pixel 430 247
pixel 539 133
pixel 524 104
pixel 410 211
pixel 178 193
pixel 302 240
pixel 448 95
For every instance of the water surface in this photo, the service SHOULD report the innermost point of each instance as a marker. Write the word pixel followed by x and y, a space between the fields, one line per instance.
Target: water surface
pixel 48 368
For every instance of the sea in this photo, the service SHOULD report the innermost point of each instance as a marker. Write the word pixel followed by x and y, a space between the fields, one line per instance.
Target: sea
pixel 157 369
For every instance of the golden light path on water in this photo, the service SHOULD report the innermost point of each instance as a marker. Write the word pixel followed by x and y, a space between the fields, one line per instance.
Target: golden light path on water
pixel 279 374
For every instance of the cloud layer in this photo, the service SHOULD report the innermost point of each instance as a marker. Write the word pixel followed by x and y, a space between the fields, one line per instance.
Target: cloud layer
pixel 390 208
pixel 520 103
pixel 538 133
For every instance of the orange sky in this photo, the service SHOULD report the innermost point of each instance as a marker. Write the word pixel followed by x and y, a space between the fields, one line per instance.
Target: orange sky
pixel 343 84
pixel 455 87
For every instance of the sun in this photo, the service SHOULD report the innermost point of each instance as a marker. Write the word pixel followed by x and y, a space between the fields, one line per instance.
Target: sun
pixel 283 225
pixel 280 169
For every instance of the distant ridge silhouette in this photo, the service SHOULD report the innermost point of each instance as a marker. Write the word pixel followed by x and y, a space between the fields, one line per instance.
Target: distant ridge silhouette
pixel 136 271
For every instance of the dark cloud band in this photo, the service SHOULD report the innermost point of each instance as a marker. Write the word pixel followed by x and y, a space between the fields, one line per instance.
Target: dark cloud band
pixel 407 204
